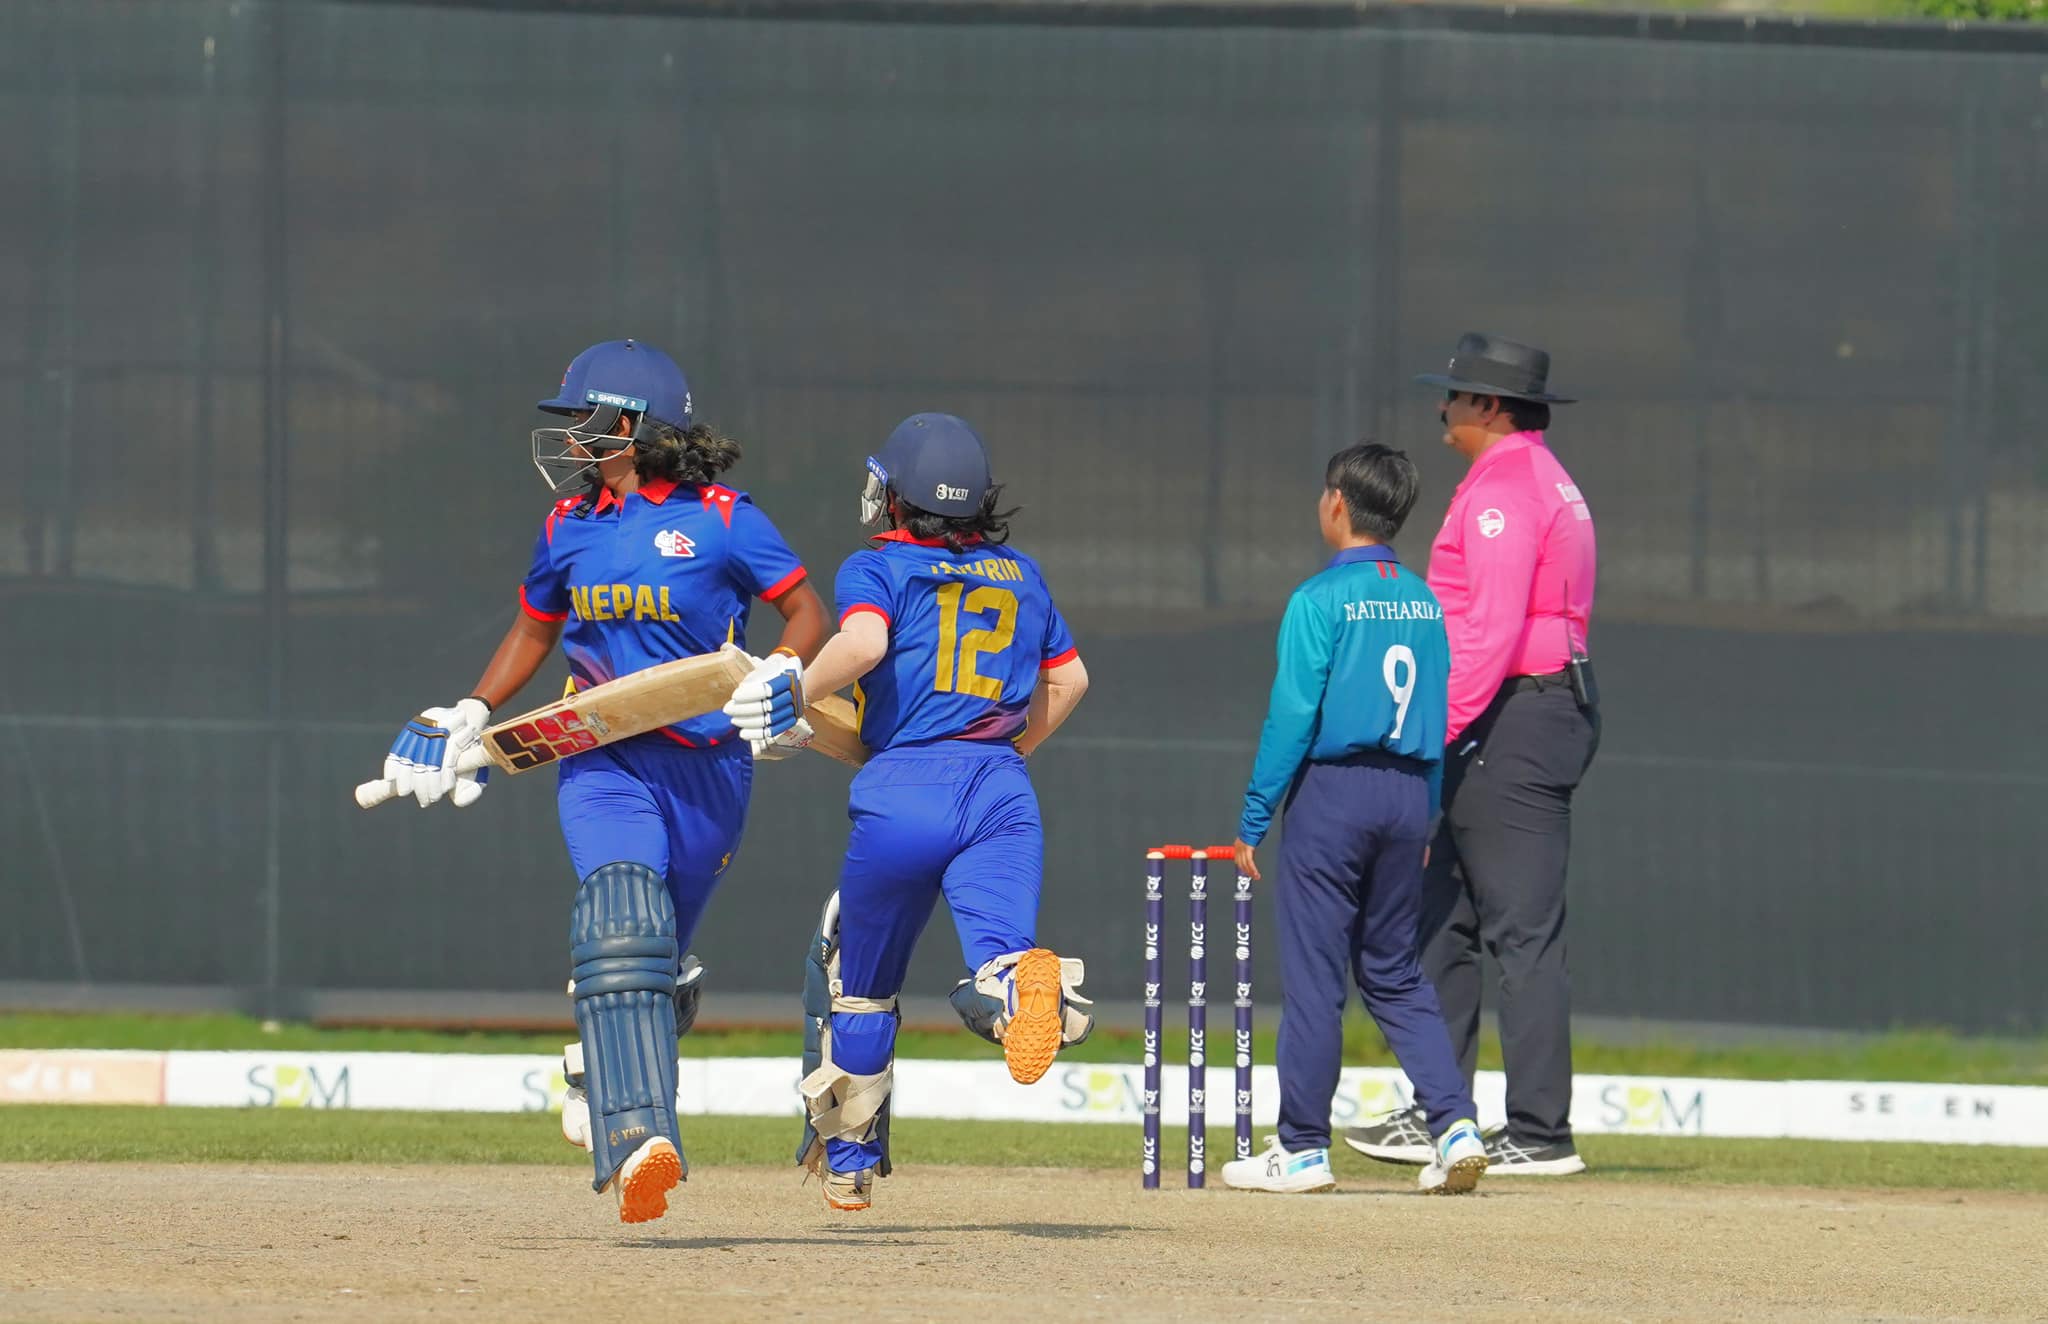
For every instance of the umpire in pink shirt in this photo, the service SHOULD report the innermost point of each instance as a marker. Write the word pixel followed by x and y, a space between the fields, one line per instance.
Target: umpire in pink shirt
pixel 1513 567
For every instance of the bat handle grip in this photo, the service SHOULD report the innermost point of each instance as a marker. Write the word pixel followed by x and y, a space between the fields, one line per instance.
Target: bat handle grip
pixel 373 793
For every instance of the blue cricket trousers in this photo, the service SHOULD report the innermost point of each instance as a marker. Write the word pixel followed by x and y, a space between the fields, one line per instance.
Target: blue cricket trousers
pixel 651 801
pixel 956 817
pixel 1349 904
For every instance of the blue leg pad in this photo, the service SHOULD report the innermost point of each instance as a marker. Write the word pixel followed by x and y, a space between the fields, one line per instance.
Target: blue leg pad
pixel 623 954
pixel 977 1010
pixel 817 1010
pixel 863 1043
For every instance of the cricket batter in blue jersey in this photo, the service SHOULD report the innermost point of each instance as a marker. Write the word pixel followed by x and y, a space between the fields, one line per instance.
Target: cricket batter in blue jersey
pixel 963 667
pixel 1353 747
pixel 644 559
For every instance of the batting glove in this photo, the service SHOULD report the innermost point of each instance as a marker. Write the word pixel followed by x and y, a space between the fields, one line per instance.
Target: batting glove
pixel 793 741
pixel 769 702
pixel 423 758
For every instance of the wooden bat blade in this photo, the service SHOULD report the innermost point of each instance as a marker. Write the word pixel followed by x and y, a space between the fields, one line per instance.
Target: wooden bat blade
pixel 837 732
pixel 632 705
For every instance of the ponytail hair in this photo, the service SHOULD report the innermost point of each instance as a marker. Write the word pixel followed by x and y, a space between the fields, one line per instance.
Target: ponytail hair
pixel 988 525
pixel 691 456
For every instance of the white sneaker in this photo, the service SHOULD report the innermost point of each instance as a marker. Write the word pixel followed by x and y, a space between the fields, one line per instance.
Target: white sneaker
pixel 1459 1163
pixel 1279 1171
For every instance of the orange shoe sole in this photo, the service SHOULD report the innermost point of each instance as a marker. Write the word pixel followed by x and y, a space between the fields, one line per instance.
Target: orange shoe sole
pixel 645 1196
pixel 1032 1038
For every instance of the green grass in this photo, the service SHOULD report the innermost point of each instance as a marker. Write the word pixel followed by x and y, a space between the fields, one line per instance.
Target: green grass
pixel 36 1029
pixel 77 1133
pixel 2006 11
pixel 1928 1055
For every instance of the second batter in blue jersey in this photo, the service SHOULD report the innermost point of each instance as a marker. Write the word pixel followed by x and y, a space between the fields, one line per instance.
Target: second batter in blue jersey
pixel 969 631
pixel 1364 665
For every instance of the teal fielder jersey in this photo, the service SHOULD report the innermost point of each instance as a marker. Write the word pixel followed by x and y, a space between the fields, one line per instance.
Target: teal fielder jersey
pixel 1364 665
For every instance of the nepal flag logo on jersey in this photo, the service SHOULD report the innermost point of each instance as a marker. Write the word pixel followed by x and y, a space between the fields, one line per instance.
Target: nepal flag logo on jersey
pixel 674 542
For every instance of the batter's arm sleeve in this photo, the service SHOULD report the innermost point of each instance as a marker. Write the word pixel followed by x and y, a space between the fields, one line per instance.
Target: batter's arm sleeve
pixel 862 586
pixel 1059 647
pixel 762 562
pixel 544 593
pixel 1293 714
pixel 1502 569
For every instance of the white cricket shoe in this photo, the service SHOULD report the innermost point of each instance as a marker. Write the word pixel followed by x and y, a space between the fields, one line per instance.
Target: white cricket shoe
pixel 848 1192
pixel 576 1117
pixel 576 1099
pixel 1459 1163
pixel 1281 1172
pixel 644 1180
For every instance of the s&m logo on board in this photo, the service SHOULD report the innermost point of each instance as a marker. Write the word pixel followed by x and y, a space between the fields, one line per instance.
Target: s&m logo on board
pixel 543 1091
pixel 1100 1090
pixel 1649 1109
pixel 1374 1098
pixel 296 1085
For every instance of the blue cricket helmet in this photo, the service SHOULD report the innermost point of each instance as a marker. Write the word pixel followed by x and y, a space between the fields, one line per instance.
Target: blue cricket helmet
pixel 935 462
pixel 624 374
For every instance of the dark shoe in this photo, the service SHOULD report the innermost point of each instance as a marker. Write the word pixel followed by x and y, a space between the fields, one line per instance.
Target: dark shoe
pixel 1398 1137
pixel 1508 1157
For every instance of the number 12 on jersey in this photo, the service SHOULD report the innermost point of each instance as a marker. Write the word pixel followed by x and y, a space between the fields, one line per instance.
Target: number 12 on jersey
pixel 957 651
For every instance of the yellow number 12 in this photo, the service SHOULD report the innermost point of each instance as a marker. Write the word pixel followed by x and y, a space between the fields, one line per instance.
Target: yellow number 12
pixel 963 679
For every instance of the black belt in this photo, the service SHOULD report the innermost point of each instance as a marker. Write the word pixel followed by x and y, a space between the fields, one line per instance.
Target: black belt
pixel 1556 680
pixel 1587 698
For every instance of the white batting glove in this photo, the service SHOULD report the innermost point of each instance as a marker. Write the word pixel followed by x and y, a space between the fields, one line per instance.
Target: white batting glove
pixel 769 702
pixel 422 760
pixel 793 741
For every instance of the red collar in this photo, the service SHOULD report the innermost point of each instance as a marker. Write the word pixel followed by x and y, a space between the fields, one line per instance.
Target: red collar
pixel 903 535
pixel 656 490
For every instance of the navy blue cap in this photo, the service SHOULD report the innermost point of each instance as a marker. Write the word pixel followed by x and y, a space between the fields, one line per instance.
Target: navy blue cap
pixel 936 463
pixel 626 374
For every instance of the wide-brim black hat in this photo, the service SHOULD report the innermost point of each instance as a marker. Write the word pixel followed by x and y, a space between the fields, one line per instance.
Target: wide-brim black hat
pixel 1489 365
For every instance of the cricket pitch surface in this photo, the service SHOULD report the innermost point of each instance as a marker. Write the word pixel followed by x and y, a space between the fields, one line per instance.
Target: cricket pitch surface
pixel 94 1241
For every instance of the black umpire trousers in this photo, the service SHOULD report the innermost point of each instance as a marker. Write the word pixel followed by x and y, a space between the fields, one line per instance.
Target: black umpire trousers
pixel 1497 877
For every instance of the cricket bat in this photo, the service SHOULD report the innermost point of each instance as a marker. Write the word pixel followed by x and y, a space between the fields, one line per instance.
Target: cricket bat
pixel 837 730
pixel 632 705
